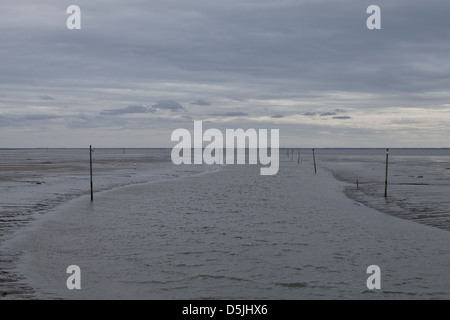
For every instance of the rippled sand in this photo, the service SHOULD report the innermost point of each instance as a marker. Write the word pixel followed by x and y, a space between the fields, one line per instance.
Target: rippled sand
pixel 418 181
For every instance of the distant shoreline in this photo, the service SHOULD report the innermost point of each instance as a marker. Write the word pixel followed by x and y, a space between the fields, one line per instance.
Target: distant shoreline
pixel 281 148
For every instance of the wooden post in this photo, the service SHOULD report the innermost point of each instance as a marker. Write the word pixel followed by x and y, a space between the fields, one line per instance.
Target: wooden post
pixel 386 179
pixel 92 184
pixel 357 184
pixel 314 157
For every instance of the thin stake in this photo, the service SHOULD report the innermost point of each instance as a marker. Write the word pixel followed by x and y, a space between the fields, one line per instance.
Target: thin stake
pixel 92 184
pixel 386 179
pixel 314 157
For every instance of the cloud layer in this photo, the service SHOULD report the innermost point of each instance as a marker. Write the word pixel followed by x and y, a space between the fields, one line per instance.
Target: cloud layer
pixel 170 105
pixel 131 109
pixel 143 68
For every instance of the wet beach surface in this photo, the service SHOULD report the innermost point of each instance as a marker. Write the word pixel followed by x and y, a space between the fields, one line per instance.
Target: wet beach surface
pixel 231 234
pixel 35 181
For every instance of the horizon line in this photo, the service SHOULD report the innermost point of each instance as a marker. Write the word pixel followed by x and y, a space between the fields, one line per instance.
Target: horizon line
pixel 281 148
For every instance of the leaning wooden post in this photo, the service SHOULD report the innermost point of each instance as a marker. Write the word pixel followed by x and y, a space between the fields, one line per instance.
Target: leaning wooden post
pixel 314 157
pixel 386 179
pixel 92 184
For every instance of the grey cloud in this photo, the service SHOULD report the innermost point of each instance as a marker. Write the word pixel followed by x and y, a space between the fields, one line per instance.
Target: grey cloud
pixel 38 117
pixel 131 109
pixel 313 44
pixel 81 121
pixel 171 105
pixel 229 114
pixel 406 121
pixel 94 122
pixel 16 120
pixel 45 97
pixel 342 117
pixel 324 114
pixel 81 124
pixel 3 121
pixel 277 116
pixel 201 102
pixel 219 50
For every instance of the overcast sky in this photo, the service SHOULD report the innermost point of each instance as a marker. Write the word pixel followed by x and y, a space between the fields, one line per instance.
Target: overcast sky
pixel 139 69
